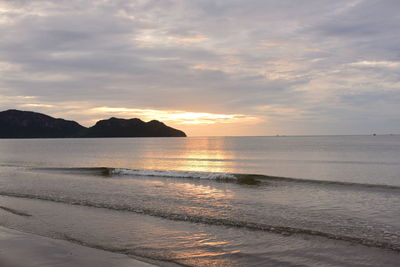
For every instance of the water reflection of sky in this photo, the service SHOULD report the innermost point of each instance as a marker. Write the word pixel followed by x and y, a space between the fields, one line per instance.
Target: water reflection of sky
pixel 189 197
pixel 205 155
pixel 359 159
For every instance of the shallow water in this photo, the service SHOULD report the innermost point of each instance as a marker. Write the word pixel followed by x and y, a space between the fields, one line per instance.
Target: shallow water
pixel 359 159
pixel 182 200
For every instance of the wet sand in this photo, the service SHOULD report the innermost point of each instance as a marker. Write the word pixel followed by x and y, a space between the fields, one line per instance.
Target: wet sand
pixel 18 249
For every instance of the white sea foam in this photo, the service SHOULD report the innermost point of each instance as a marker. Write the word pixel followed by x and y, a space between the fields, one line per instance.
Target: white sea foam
pixel 175 174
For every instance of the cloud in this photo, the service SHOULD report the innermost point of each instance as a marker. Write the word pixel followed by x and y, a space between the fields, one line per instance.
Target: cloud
pixel 376 64
pixel 295 67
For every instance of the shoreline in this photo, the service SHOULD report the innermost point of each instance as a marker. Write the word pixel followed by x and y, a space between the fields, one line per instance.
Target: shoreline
pixel 20 249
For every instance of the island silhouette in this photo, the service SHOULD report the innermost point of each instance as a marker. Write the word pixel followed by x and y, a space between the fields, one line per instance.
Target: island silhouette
pixel 28 124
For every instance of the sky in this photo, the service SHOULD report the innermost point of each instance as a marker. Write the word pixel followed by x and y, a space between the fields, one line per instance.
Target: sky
pixel 208 67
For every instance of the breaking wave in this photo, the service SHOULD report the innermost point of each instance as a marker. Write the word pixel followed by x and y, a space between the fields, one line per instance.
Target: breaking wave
pixel 249 179
pixel 174 174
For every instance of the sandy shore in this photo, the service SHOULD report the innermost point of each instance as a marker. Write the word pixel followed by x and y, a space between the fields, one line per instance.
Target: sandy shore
pixel 18 249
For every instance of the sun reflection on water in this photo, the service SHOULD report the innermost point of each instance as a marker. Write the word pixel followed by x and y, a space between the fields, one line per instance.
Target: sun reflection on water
pixel 192 154
pixel 206 155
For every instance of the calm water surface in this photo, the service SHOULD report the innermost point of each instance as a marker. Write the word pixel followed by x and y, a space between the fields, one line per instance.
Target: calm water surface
pixel 333 200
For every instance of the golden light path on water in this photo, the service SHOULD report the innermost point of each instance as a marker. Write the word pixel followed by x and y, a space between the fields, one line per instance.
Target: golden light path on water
pixel 201 156
pixel 204 155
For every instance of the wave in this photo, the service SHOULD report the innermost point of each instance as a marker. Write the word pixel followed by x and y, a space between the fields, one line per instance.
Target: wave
pixel 248 179
pixel 236 177
pixel 123 172
pixel 283 230
pixel 16 212
pixel 175 174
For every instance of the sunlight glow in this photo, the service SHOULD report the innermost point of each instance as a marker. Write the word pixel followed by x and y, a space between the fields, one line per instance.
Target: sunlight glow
pixel 177 116
pixel 38 105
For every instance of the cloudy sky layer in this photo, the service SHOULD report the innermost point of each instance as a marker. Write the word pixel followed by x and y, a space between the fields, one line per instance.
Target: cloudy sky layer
pixel 209 67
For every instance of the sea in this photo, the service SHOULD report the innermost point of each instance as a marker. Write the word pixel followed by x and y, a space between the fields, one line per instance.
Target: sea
pixel 211 201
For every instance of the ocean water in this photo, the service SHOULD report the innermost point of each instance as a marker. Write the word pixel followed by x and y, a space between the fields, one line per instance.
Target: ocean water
pixel 211 201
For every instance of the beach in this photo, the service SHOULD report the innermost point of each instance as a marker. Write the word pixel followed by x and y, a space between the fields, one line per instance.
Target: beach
pixel 18 249
pixel 249 201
